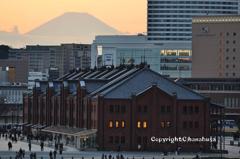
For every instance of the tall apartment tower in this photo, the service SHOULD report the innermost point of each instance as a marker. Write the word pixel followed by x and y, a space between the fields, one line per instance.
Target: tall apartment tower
pixel 170 21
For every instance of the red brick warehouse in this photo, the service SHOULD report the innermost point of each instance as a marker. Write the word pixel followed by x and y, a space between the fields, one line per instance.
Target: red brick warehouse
pixel 123 108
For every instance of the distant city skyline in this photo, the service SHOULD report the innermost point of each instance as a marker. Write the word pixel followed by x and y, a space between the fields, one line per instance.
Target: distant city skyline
pixel 25 15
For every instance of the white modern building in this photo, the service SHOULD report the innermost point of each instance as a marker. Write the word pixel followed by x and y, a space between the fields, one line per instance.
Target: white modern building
pixel 171 20
pixel 125 49
pixel 173 60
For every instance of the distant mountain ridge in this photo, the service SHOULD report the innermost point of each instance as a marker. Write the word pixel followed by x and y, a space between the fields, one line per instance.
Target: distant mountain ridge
pixel 71 27
pixel 71 24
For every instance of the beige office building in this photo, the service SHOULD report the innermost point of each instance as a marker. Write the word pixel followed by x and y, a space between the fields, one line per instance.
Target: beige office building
pixel 216 47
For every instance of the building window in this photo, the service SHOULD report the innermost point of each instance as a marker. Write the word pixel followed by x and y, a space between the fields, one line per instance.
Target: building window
pixel 196 124
pixel 227 33
pixel 111 108
pixel 117 124
pixel 234 34
pixel 123 124
pixel 227 42
pixel 227 58
pixel 184 109
pixel 139 109
pixel 234 41
pixel 139 140
pixel 234 49
pixel 234 57
pixel 123 109
pixel 184 124
pixel 162 109
pixel 196 109
pixel 117 108
pixel 162 124
pixel 145 139
pixel 110 124
pixel 190 124
pixel 168 109
pixel 122 139
pixel 145 125
pixel 227 50
pixel 234 66
pixel 139 124
pixel 116 139
pixel 111 139
pixel 227 66
pixel 191 109
pixel 168 124
pixel 145 109
pixel 234 74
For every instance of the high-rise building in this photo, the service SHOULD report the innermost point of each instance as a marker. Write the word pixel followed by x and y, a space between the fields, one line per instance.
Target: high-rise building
pixel 63 57
pixel 76 56
pixel 216 47
pixel 171 20
pixel 41 58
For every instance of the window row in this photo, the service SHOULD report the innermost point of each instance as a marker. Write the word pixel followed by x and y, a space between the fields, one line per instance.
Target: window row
pixel 142 109
pixel 117 109
pixel 190 109
pixel 233 66
pixel 116 124
pixel 194 7
pixel 142 124
pixel 170 29
pixel 169 39
pixel 229 74
pixel 193 2
pixel 193 11
pixel 166 124
pixel 234 58
pixel 117 139
pixel 234 50
pixel 169 34
pixel 169 25
pixel 227 42
pixel 190 124
pixel 166 109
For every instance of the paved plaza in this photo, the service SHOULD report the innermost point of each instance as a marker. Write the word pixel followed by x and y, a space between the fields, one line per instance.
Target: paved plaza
pixel 70 153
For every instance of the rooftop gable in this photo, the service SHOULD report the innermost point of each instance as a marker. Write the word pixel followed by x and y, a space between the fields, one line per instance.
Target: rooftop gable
pixel 142 80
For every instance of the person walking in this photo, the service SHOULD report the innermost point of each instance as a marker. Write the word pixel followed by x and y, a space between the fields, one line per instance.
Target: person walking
pixel 29 146
pixel 50 155
pixel 9 146
pixel 23 153
pixel 54 154
pixel 42 145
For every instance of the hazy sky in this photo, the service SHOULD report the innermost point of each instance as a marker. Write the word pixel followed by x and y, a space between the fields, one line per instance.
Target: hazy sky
pixel 124 15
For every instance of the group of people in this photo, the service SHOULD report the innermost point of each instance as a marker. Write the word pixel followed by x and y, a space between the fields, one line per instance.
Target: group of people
pixel 119 156
pixel 11 136
pixel 53 155
pixel 20 154
pixel 33 155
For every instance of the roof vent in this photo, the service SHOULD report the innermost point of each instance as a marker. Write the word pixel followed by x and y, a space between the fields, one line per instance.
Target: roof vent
pixel 82 83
